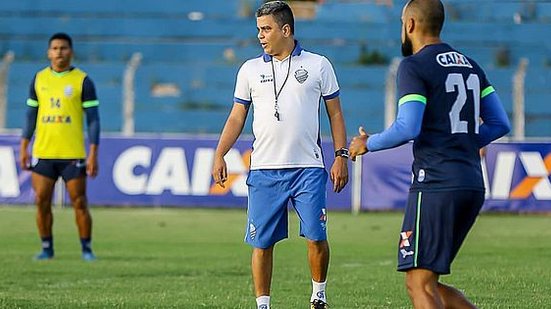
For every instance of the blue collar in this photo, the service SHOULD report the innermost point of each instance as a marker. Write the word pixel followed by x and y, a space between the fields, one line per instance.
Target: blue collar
pixel 296 52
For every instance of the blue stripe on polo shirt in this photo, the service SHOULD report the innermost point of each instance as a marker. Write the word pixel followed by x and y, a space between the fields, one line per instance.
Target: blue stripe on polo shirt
pixel 238 100
pixel 332 96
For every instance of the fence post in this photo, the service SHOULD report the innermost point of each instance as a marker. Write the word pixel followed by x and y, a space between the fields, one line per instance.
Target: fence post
pixel 356 184
pixel 59 194
pixel 4 69
pixel 128 94
pixel 518 100
pixel 390 92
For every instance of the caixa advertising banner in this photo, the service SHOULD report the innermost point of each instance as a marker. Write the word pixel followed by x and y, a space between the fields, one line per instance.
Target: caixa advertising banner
pixel 159 171
pixel 155 171
pixel 516 177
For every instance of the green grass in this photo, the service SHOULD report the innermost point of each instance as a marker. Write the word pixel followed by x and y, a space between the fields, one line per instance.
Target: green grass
pixel 192 258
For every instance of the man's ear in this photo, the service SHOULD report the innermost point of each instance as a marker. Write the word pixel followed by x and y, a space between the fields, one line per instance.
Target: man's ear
pixel 410 25
pixel 286 30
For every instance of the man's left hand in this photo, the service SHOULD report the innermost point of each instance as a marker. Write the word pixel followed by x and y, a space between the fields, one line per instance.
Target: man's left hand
pixel 92 166
pixel 339 173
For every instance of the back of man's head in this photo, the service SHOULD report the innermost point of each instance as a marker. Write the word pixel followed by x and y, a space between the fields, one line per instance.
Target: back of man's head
pixel 61 36
pixel 428 14
pixel 281 12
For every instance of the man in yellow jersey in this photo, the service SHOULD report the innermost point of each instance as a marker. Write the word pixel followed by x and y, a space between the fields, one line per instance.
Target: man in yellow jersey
pixel 59 97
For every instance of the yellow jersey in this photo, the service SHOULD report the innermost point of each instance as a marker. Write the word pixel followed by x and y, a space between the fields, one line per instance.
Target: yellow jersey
pixel 61 99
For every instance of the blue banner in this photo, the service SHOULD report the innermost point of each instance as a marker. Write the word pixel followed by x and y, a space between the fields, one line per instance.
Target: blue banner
pixel 160 171
pixel 155 171
pixel 516 177
pixel 386 176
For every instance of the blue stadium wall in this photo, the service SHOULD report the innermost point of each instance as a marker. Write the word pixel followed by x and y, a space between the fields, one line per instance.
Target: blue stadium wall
pixel 195 50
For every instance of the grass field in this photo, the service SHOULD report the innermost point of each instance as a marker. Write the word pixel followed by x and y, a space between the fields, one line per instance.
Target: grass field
pixel 191 258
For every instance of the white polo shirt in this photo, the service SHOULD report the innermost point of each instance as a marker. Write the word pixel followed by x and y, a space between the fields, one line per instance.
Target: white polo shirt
pixel 294 140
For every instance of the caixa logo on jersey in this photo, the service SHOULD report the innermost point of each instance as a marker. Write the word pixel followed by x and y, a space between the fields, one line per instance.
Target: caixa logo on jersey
pixel 453 59
pixel 517 175
pixel 138 171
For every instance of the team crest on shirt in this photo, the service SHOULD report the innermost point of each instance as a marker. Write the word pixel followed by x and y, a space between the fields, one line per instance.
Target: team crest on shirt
pixel 421 176
pixel 68 90
pixel 301 75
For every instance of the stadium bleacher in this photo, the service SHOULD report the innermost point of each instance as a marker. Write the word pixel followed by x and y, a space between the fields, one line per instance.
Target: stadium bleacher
pixel 197 49
pixel 216 8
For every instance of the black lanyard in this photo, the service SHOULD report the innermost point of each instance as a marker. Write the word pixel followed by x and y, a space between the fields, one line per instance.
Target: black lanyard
pixel 277 93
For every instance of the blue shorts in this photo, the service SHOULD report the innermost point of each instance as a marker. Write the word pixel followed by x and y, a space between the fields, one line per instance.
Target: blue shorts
pixel 54 168
pixel 435 225
pixel 270 191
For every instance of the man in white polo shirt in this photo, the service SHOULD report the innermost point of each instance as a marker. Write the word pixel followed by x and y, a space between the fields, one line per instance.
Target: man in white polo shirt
pixel 283 87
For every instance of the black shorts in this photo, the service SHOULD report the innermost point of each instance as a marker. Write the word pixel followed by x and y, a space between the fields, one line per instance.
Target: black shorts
pixel 53 168
pixel 435 225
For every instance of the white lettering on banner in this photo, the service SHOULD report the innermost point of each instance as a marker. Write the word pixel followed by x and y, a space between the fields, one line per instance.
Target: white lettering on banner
pixel 533 164
pixel 503 175
pixel 535 167
pixel 170 172
pixel 235 164
pixel 535 183
pixel 123 170
pixel 9 183
pixel 202 165
pixel 542 190
pixel 487 194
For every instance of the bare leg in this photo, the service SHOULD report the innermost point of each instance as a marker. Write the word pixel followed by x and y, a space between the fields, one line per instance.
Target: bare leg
pixel 262 263
pixel 422 287
pixel 43 188
pixel 77 192
pixel 453 298
pixel 318 258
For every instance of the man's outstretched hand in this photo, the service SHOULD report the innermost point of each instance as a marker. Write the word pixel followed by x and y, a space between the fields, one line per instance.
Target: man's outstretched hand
pixel 358 145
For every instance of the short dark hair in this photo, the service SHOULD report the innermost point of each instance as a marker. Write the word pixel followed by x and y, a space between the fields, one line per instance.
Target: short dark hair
pixel 280 10
pixel 431 12
pixel 61 36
